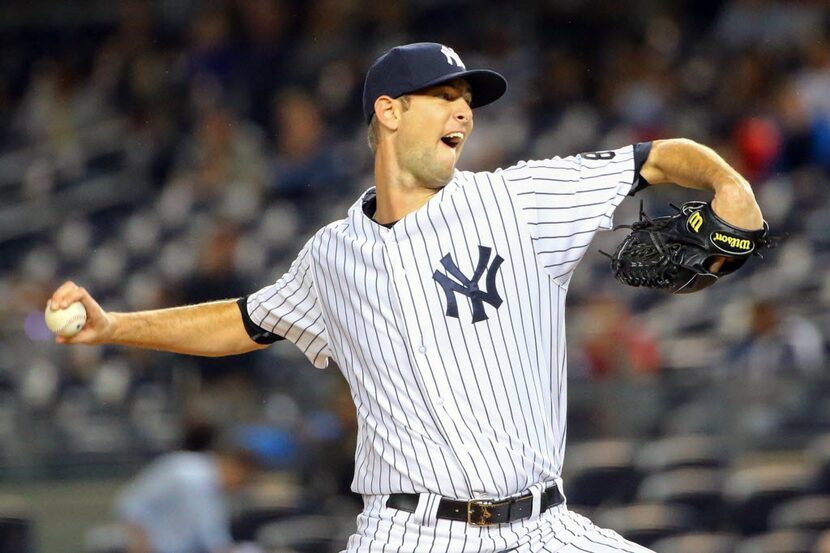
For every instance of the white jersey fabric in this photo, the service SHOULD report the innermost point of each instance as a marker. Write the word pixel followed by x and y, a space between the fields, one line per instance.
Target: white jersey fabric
pixel 450 325
pixel 381 529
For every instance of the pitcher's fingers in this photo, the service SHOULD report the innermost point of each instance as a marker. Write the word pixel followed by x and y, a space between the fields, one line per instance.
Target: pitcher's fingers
pixel 65 287
pixel 60 298
pixel 78 293
pixel 717 264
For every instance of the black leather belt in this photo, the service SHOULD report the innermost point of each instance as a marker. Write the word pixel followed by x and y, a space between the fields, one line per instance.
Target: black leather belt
pixel 482 512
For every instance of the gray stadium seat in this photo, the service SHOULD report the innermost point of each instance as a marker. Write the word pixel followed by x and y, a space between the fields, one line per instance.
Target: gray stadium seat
pixel 753 492
pixel 16 525
pixel 307 534
pixel 701 415
pixel 818 452
pixel 805 513
pixel 700 489
pixel 780 541
pixel 141 234
pixel 105 538
pixel 600 471
pixel 694 450
pixel 16 535
pixel 646 523
pixel 698 542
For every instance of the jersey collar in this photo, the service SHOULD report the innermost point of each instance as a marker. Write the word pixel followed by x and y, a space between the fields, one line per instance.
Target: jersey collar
pixel 362 211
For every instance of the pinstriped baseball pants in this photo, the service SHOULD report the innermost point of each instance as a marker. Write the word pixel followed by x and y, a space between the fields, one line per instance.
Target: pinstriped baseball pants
pixel 386 530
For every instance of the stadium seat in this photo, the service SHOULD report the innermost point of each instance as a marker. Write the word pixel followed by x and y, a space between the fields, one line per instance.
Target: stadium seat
pixel 583 510
pixel 16 534
pixel 141 234
pixel 805 513
pixel 247 524
pixel 700 489
pixel 780 541
pixel 753 492
pixel 600 471
pixel 701 415
pixel 307 534
pixel 696 450
pixel 698 542
pixel 105 538
pixel 818 452
pixel 646 523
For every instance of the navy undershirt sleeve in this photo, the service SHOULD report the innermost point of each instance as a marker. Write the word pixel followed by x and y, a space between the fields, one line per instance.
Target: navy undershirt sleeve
pixel 256 333
pixel 641 152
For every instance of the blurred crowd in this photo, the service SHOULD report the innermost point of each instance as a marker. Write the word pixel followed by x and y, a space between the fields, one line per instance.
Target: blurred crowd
pixel 172 151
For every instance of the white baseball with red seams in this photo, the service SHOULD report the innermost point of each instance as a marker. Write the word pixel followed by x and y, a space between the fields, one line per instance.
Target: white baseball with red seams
pixel 66 322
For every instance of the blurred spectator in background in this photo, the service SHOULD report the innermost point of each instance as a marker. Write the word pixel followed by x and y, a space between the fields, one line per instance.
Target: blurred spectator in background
pixel 265 52
pixel 217 279
pixel 615 342
pixel 777 345
pixel 823 542
pixel 222 152
pixel 198 435
pixel 211 52
pixel 305 165
pixel 329 465
pixel 179 503
pixel 768 24
pixel 49 114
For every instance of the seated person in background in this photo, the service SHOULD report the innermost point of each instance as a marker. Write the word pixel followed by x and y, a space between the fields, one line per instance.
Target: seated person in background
pixel 776 344
pixel 615 343
pixel 178 503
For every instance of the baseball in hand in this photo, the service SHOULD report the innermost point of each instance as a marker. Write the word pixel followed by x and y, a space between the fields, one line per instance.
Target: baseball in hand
pixel 66 322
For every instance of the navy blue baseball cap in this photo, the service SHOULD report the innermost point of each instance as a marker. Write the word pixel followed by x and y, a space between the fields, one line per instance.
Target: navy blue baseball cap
pixel 411 67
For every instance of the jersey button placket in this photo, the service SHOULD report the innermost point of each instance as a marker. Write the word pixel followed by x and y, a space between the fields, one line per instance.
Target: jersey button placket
pixel 399 268
pixel 395 258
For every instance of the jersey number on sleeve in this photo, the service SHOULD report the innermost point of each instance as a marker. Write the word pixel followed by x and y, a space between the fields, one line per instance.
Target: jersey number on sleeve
pixel 598 155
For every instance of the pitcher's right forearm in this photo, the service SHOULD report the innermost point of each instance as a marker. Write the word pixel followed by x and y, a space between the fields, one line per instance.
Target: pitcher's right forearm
pixel 210 329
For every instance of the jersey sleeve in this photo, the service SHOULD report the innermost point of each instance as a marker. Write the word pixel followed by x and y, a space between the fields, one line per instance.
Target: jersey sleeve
pixel 565 201
pixel 290 309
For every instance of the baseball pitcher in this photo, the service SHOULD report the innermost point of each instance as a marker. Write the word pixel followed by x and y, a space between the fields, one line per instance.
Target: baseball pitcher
pixel 441 297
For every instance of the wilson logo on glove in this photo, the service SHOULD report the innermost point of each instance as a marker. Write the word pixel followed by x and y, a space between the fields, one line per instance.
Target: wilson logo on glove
pixel 695 221
pixel 731 244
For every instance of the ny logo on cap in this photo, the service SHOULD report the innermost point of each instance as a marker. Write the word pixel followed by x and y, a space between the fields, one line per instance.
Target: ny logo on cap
pixel 452 57
pixel 469 286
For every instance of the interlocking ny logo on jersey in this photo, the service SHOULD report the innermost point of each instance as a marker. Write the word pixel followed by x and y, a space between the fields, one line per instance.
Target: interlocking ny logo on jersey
pixel 469 286
pixel 452 57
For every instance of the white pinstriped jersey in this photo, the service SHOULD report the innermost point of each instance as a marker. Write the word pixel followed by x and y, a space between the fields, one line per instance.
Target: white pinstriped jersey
pixel 450 325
